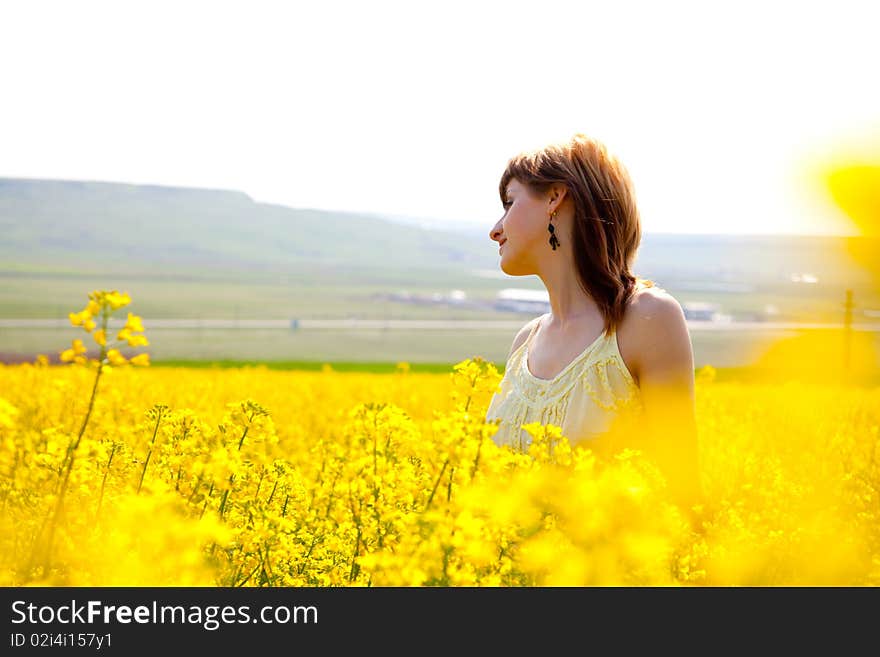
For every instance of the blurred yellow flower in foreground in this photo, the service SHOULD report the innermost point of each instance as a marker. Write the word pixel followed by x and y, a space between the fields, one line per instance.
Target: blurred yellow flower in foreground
pixel 855 187
pixel 850 175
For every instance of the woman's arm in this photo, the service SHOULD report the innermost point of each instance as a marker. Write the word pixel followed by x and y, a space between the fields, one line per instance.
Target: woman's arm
pixel 665 372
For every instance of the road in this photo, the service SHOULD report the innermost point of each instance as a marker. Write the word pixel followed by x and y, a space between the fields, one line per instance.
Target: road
pixel 407 324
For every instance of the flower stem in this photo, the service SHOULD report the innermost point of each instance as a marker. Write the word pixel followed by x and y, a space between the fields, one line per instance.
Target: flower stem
pixel 104 483
pixel 150 451
pixel 71 457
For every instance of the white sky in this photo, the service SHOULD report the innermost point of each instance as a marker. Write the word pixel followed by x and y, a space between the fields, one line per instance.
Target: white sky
pixel 413 108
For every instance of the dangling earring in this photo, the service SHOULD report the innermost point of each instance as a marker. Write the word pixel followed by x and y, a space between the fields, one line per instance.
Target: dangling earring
pixel 554 241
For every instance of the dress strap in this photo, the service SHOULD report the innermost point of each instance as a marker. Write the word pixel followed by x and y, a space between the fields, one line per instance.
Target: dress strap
pixel 535 323
pixel 524 345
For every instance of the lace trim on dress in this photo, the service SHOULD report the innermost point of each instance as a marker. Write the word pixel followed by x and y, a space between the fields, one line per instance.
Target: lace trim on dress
pixel 547 400
pixel 604 396
pixel 540 392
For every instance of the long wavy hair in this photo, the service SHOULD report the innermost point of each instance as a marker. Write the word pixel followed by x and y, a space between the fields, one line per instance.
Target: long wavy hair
pixel 607 228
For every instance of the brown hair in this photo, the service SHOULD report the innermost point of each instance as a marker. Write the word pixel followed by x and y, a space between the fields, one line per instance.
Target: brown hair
pixel 607 229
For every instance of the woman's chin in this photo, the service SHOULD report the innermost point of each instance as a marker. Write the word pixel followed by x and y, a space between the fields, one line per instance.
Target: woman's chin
pixel 508 268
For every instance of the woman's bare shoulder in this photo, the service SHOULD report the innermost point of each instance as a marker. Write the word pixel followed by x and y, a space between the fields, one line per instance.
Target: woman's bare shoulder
pixel 654 320
pixel 649 301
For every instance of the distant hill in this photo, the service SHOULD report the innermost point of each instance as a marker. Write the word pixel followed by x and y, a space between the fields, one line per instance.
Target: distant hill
pixel 750 261
pixel 58 223
pixel 65 226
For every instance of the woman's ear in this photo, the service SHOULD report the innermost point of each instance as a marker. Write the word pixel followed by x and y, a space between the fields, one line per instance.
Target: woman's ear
pixel 557 195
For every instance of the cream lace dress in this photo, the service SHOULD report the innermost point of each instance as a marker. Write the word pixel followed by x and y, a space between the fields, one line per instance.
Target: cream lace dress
pixel 583 399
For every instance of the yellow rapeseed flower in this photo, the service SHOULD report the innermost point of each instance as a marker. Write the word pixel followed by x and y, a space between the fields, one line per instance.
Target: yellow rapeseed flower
pixel 116 299
pixel 141 359
pixel 705 374
pixel 389 481
pixel 8 413
pixel 133 323
pixel 138 341
pixel 82 318
pixel 115 357
pixel 100 337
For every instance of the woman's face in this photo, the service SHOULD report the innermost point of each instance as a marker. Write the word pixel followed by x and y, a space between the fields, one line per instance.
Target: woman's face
pixel 522 230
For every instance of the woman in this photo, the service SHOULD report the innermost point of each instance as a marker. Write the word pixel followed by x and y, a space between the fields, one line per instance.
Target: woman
pixel 613 346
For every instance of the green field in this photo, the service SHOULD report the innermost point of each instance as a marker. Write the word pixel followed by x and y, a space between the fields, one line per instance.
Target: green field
pixel 368 350
pixel 319 292
pixel 331 292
